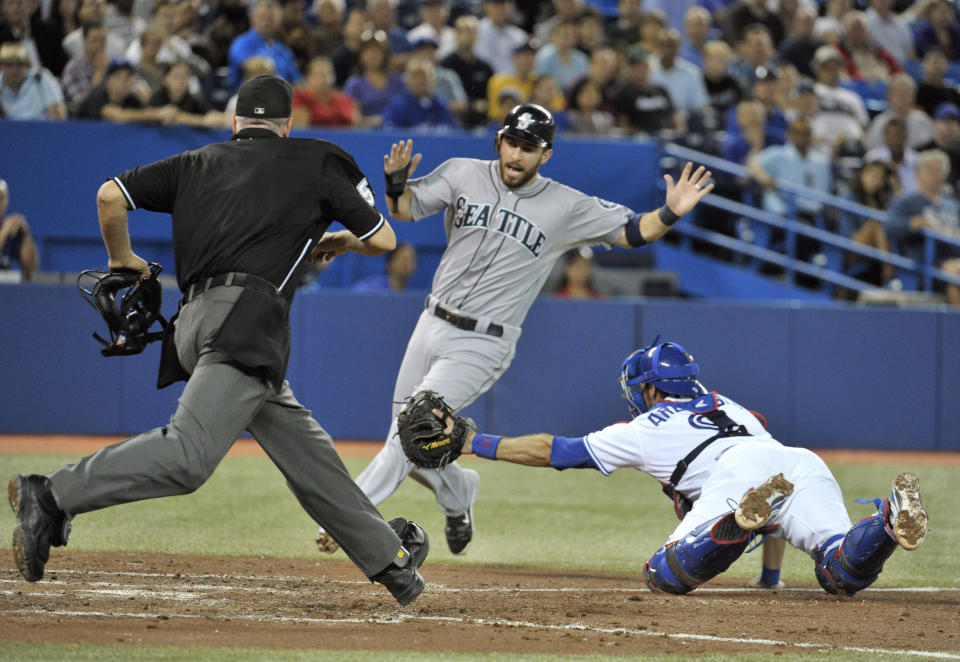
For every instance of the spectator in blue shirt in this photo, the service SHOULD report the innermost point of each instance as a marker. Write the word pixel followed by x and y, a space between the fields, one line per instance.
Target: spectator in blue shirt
pixel 940 31
pixel 417 105
pixel 560 58
pixel 373 85
pixel 400 264
pixel 25 93
pixel 261 39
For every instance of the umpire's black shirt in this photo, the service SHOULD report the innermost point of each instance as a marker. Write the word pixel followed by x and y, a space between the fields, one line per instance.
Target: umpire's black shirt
pixel 255 204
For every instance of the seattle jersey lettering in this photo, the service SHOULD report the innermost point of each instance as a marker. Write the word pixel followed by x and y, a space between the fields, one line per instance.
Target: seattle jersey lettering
pixel 503 221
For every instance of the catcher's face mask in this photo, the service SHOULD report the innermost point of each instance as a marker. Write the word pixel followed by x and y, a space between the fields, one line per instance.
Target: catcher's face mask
pixel 129 306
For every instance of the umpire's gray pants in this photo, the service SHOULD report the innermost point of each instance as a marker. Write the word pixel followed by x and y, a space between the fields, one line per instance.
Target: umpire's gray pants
pixel 217 404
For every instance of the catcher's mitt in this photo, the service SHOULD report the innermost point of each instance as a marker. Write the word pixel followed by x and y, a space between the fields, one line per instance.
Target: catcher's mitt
pixel 424 437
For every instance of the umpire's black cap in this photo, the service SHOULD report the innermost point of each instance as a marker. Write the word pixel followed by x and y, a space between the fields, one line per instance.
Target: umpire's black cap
pixel 265 96
pixel 530 123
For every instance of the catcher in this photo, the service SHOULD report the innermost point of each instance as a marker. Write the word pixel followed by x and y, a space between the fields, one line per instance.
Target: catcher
pixel 707 451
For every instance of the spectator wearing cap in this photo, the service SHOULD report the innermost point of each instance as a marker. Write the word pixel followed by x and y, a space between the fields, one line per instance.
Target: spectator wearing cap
pixel 27 93
pixel 828 65
pixel 752 12
pixel 418 106
pixel 447 84
pixel 434 15
pixel 113 100
pixel 901 98
pixel 88 67
pixel 932 90
pixel 801 41
pixel 373 84
pixel 497 38
pixel 316 102
pixel 682 79
pixel 641 105
pixel 474 73
pixel 262 39
pixel 946 138
pixel 941 30
pixel 560 58
pixel 764 90
pixel 697 31
pixel 864 58
pixel 890 30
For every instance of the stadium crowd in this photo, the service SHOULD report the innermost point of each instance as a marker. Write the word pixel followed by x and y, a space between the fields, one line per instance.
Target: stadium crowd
pixel 810 92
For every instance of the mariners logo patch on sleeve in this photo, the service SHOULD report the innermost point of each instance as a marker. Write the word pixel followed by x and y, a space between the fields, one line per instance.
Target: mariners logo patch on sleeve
pixel 363 188
pixel 606 204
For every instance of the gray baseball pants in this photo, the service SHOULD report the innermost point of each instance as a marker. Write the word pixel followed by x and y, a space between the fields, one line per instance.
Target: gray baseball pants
pixel 217 404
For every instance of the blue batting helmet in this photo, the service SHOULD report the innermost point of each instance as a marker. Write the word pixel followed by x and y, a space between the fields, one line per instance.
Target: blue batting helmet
pixel 667 365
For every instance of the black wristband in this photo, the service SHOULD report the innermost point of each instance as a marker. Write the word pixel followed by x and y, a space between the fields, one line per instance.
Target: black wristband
pixel 397 181
pixel 634 236
pixel 667 217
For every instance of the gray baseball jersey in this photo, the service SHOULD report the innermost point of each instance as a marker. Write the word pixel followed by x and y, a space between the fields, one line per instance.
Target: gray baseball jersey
pixel 501 245
pixel 502 242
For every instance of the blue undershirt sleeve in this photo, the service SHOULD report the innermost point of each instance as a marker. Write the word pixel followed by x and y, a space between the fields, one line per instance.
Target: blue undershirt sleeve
pixel 570 453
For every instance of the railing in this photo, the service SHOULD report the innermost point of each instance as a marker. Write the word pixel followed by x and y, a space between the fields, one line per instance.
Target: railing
pixel 912 274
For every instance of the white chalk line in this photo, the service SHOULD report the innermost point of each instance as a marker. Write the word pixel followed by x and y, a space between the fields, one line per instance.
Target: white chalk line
pixel 577 627
pixel 436 587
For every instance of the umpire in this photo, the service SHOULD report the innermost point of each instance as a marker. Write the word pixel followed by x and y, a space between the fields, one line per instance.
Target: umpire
pixel 246 214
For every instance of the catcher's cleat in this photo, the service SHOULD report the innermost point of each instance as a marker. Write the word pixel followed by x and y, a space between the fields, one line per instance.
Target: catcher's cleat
pixel 459 528
pixel 759 505
pixel 40 524
pixel 325 542
pixel 907 515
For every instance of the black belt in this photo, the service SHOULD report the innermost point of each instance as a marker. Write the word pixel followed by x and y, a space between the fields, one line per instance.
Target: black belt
pixel 231 278
pixel 465 323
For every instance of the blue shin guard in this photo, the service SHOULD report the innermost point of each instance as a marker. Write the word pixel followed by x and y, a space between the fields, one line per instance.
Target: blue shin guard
pixel 849 563
pixel 680 566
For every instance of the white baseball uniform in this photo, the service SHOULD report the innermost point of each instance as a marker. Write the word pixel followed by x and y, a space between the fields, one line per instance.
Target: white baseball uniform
pixel 716 480
pixel 501 245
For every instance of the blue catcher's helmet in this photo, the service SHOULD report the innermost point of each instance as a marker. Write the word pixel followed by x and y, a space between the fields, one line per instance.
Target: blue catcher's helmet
pixel 667 365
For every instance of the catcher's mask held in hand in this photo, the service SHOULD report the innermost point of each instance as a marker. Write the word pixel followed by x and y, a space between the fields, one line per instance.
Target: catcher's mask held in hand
pixel 129 306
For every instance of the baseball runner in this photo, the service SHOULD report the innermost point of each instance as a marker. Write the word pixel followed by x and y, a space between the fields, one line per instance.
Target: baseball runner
pixel 506 226
pixel 729 479
pixel 245 214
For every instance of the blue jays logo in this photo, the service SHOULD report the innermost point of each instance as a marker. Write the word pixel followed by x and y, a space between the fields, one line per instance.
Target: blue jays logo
pixel 701 422
pixel 524 121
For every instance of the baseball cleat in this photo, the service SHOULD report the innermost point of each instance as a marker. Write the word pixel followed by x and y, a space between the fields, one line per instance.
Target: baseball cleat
pixel 325 542
pixel 907 515
pixel 402 577
pixel 40 524
pixel 459 528
pixel 758 505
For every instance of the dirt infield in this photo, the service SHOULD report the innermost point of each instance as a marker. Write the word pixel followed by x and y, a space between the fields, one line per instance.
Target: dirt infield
pixel 136 599
pixel 323 604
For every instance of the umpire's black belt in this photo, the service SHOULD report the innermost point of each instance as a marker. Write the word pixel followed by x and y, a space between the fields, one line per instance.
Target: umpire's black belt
pixel 464 322
pixel 231 278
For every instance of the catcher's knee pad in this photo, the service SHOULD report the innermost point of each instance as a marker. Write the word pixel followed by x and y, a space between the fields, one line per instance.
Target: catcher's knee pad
pixel 681 566
pixel 849 563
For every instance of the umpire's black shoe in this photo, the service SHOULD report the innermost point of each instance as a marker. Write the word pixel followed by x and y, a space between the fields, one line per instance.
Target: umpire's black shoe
pixel 40 523
pixel 401 577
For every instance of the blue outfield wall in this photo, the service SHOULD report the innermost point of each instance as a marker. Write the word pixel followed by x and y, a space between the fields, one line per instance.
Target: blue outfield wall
pixel 825 376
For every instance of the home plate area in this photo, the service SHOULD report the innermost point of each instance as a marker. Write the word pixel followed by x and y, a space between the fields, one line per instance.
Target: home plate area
pixel 327 604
